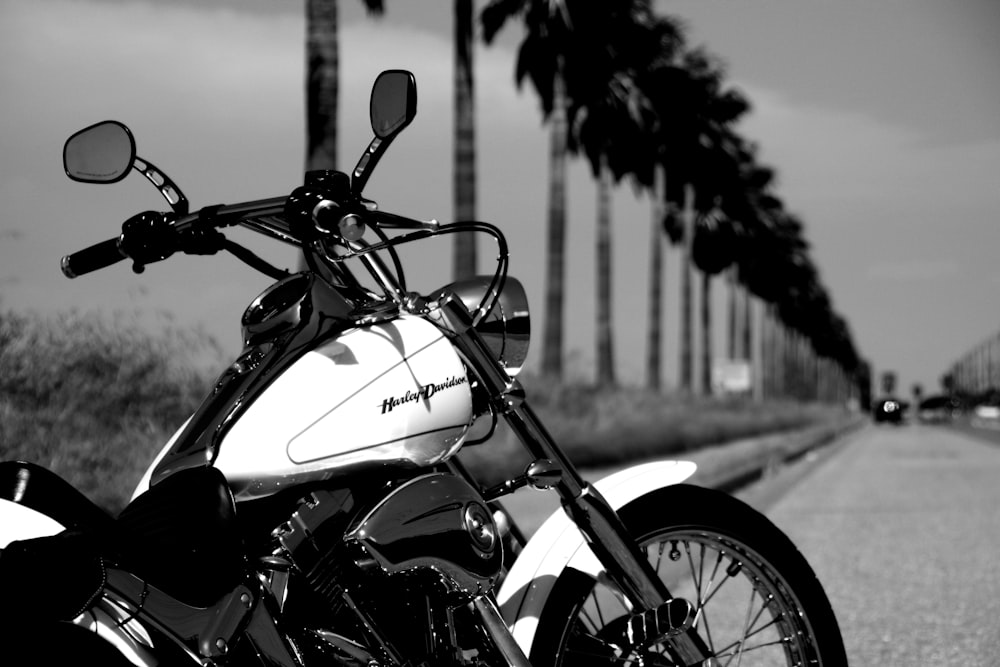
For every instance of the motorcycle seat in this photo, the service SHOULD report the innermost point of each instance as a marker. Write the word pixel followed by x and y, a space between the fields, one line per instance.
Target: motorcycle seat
pixel 182 535
pixel 42 490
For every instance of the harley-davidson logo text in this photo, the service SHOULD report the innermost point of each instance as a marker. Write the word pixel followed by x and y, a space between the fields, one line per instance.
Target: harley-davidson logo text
pixel 423 393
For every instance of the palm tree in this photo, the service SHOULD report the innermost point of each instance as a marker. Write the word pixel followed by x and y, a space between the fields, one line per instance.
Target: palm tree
pixel 721 238
pixel 654 326
pixel 780 271
pixel 610 119
pixel 702 145
pixel 663 84
pixel 464 165
pixel 563 41
pixel 719 229
pixel 542 58
pixel 751 207
pixel 322 81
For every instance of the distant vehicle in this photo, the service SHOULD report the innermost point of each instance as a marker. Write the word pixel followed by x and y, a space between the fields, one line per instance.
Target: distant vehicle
pixel 936 409
pixel 888 410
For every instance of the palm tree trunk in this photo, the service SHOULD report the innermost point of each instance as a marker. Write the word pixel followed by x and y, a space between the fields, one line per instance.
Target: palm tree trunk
pixel 654 327
pixel 605 342
pixel 465 141
pixel 764 361
pixel 552 340
pixel 686 343
pixel 754 347
pixel 772 346
pixel 322 88
pixel 747 324
pixel 706 333
pixel 731 320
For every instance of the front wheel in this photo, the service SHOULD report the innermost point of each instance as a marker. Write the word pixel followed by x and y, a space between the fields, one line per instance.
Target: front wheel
pixel 757 601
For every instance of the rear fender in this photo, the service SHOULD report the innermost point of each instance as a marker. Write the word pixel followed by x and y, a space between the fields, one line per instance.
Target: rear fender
pixel 558 544
pixel 19 522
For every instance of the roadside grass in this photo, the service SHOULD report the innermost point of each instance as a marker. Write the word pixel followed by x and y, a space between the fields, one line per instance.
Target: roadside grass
pixel 599 427
pixel 94 400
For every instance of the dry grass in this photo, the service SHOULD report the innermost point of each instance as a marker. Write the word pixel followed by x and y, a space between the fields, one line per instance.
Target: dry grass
pixel 599 427
pixel 93 400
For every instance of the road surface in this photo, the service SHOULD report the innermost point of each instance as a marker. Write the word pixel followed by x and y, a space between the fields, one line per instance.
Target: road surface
pixel 902 525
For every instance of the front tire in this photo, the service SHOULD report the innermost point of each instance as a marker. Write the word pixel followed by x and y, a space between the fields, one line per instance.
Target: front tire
pixel 757 600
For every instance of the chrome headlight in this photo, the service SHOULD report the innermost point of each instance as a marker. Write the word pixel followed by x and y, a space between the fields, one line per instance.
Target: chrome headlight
pixel 507 327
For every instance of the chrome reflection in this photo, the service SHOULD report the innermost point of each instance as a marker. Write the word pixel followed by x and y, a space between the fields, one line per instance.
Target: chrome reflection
pixel 507 327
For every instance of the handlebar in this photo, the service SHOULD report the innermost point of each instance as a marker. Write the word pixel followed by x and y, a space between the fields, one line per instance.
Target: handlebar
pixel 167 232
pixel 310 213
pixel 93 258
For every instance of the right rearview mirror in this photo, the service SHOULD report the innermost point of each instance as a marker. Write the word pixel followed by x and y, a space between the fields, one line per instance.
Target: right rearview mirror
pixel 393 103
pixel 393 106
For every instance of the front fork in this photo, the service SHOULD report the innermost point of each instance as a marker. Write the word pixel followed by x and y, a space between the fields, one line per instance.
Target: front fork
pixel 600 525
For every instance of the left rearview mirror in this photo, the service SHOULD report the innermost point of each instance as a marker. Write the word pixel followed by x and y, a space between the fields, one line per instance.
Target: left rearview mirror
pixel 101 153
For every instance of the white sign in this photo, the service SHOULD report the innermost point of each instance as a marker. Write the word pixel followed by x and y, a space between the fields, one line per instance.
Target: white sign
pixel 731 376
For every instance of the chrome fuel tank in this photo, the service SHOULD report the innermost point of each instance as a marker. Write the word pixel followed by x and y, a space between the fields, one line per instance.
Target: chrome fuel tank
pixel 390 394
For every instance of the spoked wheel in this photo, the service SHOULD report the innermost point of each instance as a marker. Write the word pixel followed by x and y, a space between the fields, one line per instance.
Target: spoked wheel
pixel 757 602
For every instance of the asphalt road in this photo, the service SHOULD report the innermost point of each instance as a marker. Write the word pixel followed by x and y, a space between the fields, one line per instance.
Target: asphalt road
pixel 901 524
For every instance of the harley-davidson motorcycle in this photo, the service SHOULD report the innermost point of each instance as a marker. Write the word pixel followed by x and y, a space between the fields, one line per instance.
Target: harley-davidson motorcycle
pixel 313 511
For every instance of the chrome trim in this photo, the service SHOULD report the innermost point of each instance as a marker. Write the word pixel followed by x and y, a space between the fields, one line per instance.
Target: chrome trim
pixel 273 226
pixel 64 264
pixel 499 632
pixel 279 308
pixel 506 327
pixel 436 522
pixel 203 632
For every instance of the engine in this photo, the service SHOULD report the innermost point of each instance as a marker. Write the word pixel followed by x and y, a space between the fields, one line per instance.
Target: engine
pixel 398 566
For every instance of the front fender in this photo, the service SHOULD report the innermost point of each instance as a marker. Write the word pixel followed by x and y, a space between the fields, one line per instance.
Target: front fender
pixel 558 544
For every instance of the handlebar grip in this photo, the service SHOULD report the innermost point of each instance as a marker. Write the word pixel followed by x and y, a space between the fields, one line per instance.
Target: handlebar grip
pixel 93 258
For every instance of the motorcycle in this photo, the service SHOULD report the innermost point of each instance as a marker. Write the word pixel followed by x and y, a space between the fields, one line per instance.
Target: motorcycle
pixel 313 511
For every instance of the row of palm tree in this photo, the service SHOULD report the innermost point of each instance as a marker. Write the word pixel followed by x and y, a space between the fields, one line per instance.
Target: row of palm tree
pixel 618 85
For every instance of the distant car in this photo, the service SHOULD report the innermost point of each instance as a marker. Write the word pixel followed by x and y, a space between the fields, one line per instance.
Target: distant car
pixel 888 410
pixel 936 409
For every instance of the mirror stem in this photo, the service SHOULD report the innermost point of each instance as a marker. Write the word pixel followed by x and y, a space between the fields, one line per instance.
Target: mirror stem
pixel 178 202
pixel 371 156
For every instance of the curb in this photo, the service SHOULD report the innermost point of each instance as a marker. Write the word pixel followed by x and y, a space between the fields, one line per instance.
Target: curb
pixel 731 465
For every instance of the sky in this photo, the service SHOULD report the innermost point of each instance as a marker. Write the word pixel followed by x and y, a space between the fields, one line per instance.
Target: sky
pixel 882 120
